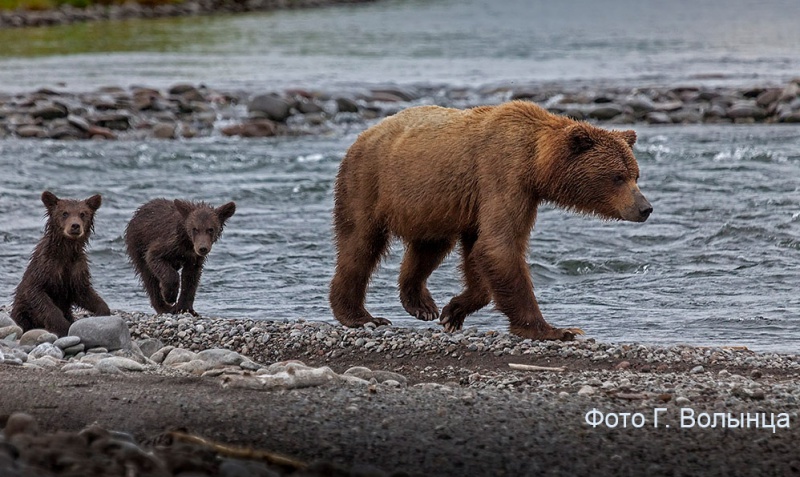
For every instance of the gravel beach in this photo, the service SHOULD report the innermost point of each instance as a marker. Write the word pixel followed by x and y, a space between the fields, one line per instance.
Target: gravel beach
pixel 392 401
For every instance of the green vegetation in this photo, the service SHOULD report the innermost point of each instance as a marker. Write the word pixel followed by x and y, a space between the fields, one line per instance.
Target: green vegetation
pixel 50 4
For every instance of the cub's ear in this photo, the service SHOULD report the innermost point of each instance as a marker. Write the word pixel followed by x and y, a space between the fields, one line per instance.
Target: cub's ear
pixel 225 212
pixel 184 208
pixel 49 199
pixel 94 201
pixel 580 140
pixel 629 136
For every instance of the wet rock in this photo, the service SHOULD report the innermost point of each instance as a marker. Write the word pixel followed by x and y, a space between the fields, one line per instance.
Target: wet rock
pixel 46 349
pixel 67 342
pixel 606 111
pixel 178 356
pixel 149 346
pixel 5 319
pixel 309 107
pixel 658 117
pixel 686 116
pixel 11 332
pixel 640 104
pixel 346 105
pixel 253 128
pixel 746 109
pixel 668 106
pixel 269 106
pixel 31 131
pixel 79 122
pixel 120 121
pixel 109 332
pixel 766 98
pixel 218 357
pixel 164 131
pixel 49 111
pixel 31 337
pixel 181 89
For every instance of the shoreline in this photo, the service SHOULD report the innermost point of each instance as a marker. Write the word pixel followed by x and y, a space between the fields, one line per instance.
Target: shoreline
pixel 186 111
pixel 67 14
pixel 420 402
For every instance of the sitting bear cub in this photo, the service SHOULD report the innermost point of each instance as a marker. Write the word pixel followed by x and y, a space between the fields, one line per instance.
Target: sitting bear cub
pixel 58 276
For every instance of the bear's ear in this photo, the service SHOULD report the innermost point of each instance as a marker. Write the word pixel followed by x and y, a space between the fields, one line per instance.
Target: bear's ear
pixel 49 199
pixel 184 208
pixel 579 139
pixel 224 212
pixel 94 201
pixel 629 136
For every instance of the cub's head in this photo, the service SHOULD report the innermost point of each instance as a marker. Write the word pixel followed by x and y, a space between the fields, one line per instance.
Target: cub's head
pixel 203 223
pixel 596 173
pixel 72 219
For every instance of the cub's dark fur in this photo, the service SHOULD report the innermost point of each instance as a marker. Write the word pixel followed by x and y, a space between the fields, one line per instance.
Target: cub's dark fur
pixel 167 236
pixel 58 276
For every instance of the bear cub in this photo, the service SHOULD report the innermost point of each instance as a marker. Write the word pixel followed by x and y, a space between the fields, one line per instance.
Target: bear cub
pixel 58 276
pixel 167 236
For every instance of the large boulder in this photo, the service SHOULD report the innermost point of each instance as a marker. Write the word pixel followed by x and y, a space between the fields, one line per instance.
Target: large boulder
pixel 108 332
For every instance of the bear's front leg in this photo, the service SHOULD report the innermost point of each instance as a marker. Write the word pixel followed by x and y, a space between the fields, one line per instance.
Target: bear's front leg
pixel 165 273
pixel 190 280
pixel 503 265
pixel 89 300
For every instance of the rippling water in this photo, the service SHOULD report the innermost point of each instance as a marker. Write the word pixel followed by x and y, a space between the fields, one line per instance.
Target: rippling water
pixel 453 41
pixel 717 263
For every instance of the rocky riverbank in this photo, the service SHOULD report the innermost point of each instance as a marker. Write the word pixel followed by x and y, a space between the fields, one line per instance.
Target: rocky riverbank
pixel 66 14
pixel 419 401
pixel 188 111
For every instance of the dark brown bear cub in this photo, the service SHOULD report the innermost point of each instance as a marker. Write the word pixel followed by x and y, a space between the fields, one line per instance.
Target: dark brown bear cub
pixel 58 276
pixel 436 176
pixel 165 236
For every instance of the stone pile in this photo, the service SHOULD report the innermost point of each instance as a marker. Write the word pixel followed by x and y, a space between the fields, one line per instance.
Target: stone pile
pixel 188 111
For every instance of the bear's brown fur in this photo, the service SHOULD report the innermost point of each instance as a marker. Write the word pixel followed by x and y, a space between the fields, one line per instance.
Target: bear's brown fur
pixel 435 176
pixel 58 276
pixel 165 236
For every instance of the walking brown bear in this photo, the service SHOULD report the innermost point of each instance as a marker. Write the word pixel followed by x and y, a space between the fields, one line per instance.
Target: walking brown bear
pixel 165 236
pixel 435 176
pixel 57 277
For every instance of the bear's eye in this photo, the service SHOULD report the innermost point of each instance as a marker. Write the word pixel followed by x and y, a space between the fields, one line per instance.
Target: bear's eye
pixel 619 179
pixel 83 215
pixel 64 215
pixel 194 231
pixel 210 231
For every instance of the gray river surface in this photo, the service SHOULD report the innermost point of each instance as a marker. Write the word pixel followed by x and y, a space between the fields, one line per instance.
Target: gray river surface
pixel 718 263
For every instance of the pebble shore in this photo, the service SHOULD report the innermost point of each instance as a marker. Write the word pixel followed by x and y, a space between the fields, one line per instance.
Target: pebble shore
pixel 187 110
pixel 418 365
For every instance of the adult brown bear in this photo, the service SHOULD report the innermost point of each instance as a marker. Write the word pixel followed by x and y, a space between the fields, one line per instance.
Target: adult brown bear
pixel 433 176
pixel 57 277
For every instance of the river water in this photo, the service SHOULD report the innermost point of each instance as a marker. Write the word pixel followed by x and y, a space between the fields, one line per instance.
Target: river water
pixel 717 263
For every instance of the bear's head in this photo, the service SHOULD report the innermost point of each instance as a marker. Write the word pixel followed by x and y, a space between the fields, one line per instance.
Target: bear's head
pixel 597 174
pixel 203 223
pixel 71 219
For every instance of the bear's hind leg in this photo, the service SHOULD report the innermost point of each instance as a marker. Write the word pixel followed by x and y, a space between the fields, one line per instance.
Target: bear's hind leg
pixel 420 260
pixel 476 292
pixel 358 255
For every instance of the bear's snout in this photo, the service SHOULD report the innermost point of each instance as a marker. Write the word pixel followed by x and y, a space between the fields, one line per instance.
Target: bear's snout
pixel 74 230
